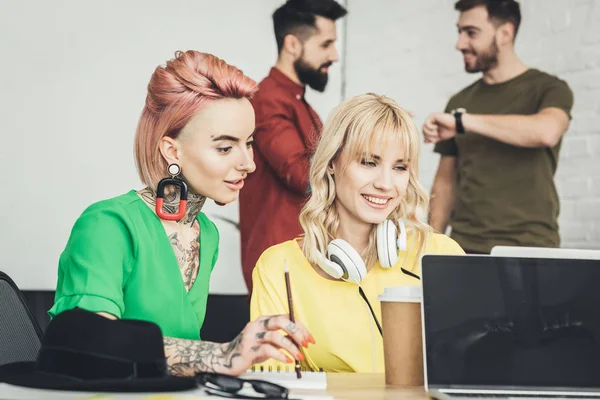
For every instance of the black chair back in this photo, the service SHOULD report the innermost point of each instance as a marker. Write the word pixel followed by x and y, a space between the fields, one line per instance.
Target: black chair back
pixel 20 335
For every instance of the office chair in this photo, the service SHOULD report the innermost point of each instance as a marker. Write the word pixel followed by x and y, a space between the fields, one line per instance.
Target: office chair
pixel 20 335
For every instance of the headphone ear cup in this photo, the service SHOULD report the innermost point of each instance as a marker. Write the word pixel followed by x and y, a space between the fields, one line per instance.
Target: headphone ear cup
pixel 387 252
pixel 340 252
pixel 381 244
pixel 331 268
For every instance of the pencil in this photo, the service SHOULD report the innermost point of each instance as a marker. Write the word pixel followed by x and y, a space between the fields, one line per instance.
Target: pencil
pixel 288 288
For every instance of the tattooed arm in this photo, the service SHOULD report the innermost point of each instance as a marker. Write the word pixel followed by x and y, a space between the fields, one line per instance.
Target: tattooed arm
pixel 259 341
pixel 186 357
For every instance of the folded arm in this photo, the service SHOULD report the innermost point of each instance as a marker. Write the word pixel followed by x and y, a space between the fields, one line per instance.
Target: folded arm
pixel 543 129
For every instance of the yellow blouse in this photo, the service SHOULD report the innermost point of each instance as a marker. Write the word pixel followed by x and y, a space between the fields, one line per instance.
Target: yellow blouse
pixel 347 339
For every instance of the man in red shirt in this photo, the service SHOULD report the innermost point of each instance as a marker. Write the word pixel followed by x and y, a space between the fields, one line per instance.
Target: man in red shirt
pixel 287 128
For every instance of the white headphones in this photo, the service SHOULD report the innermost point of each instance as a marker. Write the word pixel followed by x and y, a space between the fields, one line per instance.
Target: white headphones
pixel 343 262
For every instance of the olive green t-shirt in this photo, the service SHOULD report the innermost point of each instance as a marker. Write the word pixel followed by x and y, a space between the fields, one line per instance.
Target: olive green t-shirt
pixel 505 195
pixel 119 260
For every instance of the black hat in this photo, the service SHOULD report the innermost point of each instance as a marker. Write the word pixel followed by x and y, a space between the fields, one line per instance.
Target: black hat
pixel 84 351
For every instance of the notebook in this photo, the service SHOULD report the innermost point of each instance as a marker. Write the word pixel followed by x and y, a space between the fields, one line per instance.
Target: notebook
pixel 309 381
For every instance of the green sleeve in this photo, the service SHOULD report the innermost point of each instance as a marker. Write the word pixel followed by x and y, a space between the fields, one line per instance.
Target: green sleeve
pixel 216 255
pixel 559 95
pixel 95 264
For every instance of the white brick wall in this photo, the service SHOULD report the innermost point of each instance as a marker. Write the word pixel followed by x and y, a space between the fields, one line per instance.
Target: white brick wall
pixel 405 49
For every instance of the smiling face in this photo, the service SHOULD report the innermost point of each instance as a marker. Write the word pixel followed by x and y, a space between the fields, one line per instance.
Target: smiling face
pixel 477 40
pixel 369 189
pixel 318 54
pixel 214 149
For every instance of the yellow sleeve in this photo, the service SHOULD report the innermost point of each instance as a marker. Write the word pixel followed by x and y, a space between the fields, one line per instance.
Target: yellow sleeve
pixel 266 295
pixel 267 300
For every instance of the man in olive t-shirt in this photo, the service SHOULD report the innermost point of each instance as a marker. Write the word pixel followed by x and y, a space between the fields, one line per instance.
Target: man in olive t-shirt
pixel 499 139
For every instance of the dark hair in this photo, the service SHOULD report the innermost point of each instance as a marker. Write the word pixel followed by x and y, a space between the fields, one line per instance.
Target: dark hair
pixel 297 17
pixel 499 11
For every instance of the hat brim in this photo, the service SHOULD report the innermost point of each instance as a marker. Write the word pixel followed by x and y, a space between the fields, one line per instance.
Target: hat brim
pixel 24 374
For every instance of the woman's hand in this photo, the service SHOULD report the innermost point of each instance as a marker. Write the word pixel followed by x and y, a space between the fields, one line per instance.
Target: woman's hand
pixel 261 340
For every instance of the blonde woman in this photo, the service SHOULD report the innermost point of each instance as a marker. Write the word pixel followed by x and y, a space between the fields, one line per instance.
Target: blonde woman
pixel 362 232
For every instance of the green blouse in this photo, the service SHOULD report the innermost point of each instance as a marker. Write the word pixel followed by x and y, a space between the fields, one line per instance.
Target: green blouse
pixel 119 260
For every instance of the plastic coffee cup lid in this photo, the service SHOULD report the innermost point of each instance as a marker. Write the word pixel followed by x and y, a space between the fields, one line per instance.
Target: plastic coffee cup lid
pixel 411 294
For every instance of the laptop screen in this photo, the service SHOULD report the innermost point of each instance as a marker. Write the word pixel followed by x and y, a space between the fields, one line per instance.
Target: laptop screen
pixel 511 322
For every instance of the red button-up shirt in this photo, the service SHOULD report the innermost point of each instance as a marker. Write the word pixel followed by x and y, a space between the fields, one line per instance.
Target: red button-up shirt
pixel 287 130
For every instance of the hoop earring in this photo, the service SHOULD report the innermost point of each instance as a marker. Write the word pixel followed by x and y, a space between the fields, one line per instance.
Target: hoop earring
pixel 174 170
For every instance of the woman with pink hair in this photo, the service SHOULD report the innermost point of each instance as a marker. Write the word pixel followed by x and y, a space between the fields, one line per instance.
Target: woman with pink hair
pixel 148 254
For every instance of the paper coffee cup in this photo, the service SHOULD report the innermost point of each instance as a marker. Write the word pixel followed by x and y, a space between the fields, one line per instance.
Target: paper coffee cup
pixel 402 335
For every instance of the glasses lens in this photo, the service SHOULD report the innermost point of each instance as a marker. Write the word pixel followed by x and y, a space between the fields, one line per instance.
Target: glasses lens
pixel 237 395
pixel 224 383
pixel 229 386
pixel 269 389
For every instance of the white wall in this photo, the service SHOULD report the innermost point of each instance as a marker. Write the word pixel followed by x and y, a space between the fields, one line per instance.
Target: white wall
pixel 72 85
pixel 405 49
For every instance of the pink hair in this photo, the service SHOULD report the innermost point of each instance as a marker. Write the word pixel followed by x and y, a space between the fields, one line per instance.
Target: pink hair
pixel 176 93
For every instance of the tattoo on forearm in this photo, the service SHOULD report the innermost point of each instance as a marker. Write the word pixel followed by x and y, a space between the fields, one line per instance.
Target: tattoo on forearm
pixel 186 357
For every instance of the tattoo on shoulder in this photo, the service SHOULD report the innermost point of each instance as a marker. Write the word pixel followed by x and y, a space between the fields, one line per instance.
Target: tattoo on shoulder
pixel 170 203
pixel 148 196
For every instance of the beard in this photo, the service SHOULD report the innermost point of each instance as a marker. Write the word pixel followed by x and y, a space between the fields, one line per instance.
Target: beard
pixel 485 60
pixel 310 76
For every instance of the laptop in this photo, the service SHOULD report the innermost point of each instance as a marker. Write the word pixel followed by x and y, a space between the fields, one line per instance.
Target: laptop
pixel 544 252
pixel 511 327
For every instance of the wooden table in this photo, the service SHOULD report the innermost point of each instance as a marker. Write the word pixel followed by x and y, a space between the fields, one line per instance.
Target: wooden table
pixel 346 386
pixel 339 387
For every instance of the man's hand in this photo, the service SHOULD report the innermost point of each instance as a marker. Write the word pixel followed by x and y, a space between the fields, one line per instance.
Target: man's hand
pixel 438 127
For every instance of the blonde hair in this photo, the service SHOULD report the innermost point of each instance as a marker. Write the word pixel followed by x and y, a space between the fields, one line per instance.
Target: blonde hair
pixel 354 127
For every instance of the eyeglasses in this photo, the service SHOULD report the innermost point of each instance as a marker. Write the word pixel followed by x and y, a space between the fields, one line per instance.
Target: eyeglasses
pixel 229 386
